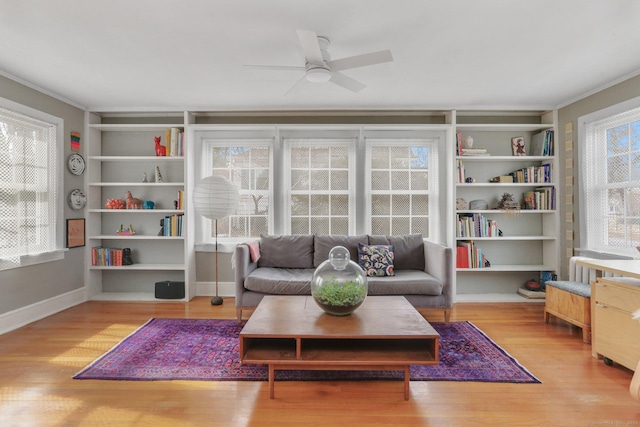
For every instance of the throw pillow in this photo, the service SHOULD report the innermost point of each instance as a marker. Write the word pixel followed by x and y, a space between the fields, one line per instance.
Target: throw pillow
pixel 254 250
pixel 289 251
pixel 376 260
pixel 408 250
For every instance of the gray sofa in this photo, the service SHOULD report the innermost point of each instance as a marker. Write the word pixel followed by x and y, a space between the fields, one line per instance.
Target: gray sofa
pixel 423 271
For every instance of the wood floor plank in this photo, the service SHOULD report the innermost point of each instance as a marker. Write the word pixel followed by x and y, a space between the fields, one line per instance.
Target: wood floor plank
pixel 37 363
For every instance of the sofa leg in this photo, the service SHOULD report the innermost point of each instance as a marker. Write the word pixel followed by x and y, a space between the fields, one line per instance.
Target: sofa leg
pixel 447 315
pixel 238 314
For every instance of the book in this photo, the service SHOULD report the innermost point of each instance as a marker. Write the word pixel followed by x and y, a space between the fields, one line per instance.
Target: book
pixel 542 143
pixel 468 151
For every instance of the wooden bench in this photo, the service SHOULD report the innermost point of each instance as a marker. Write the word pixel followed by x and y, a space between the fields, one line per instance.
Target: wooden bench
pixel 570 300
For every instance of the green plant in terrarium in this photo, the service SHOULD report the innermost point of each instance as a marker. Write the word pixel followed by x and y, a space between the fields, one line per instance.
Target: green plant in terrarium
pixel 340 294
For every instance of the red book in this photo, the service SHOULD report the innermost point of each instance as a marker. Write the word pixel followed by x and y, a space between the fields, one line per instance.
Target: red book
pixel 462 257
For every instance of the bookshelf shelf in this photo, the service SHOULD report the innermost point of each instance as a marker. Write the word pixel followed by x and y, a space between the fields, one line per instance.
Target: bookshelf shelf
pixel 137 211
pixel 529 243
pixel 506 184
pixel 508 238
pixel 141 267
pixel 134 237
pixel 119 156
pixel 136 184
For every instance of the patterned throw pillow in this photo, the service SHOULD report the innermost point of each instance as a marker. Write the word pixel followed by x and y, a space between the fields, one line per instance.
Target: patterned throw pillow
pixel 376 260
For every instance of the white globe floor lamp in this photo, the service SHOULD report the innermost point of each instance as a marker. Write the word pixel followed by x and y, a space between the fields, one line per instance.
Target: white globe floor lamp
pixel 215 197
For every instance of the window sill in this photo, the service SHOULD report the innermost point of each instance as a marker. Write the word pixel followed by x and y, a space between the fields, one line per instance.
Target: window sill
pixel 26 260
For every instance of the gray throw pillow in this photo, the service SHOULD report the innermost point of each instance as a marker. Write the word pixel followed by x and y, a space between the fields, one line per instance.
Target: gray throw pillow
pixel 294 251
pixel 408 250
pixel 323 243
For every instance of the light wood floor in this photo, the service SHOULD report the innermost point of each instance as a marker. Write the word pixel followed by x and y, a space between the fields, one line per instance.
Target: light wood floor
pixel 38 361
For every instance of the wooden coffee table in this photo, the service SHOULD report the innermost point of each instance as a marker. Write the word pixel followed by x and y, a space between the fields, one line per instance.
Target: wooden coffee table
pixel 385 333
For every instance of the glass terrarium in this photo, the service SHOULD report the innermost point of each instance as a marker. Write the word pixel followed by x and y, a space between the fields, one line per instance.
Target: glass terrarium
pixel 339 285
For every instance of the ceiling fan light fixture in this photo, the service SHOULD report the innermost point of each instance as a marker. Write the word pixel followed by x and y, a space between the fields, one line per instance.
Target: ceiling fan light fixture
pixel 318 75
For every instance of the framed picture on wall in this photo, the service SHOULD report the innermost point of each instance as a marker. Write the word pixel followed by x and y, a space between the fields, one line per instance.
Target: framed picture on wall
pixel 75 233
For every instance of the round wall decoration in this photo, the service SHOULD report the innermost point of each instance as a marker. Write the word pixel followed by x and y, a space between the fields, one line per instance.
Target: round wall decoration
pixel 76 164
pixel 77 199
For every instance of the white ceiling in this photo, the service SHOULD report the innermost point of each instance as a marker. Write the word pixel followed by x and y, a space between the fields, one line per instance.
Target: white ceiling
pixel 189 54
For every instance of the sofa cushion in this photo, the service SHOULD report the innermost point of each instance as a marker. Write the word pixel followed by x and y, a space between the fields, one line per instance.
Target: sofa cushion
pixel 405 282
pixel 408 250
pixel 280 281
pixel 291 251
pixel 323 243
pixel 376 260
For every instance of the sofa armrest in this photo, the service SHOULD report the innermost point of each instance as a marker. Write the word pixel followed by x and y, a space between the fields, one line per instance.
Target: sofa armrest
pixel 242 267
pixel 438 262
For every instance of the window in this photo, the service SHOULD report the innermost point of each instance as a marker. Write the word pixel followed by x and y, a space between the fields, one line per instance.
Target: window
pixel 31 223
pixel 610 179
pixel 401 176
pixel 320 186
pixel 315 181
pixel 246 163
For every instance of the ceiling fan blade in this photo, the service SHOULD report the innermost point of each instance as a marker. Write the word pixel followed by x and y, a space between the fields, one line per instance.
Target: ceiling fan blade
pixel 276 67
pixel 296 87
pixel 310 46
pixel 346 82
pixel 361 60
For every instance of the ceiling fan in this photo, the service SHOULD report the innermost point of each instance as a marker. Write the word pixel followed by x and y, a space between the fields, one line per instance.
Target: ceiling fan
pixel 320 68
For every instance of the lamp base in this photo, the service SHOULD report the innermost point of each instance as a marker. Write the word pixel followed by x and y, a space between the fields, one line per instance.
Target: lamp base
pixel 216 300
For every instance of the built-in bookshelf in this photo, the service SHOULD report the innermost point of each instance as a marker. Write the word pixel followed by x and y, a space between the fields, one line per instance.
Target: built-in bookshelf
pixel 501 246
pixel 121 158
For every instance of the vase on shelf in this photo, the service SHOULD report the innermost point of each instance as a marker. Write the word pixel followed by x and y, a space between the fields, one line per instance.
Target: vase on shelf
pixel 339 285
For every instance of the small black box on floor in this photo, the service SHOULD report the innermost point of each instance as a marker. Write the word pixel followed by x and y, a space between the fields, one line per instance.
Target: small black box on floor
pixel 170 290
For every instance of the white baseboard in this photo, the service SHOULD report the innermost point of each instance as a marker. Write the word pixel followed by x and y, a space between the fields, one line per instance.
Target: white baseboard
pixel 25 315
pixel 225 289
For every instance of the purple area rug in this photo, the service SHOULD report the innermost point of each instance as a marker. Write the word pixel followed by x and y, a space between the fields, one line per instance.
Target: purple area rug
pixel 207 349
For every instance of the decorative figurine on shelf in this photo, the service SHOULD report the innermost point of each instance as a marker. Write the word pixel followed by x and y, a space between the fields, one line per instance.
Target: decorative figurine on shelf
pixel 158 175
pixel 126 256
pixel 161 150
pixel 468 142
pixel 144 177
pixel 132 202
pixel 114 204
pixel 161 232
pixel 148 204
pixel 175 204
pixel 507 202
pixel 126 231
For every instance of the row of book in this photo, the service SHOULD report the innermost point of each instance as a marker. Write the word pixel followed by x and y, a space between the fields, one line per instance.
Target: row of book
pixel 175 142
pixel 541 198
pixel 106 256
pixel 476 225
pixel 534 174
pixel 172 225
pixel 469 255
pixel 542 144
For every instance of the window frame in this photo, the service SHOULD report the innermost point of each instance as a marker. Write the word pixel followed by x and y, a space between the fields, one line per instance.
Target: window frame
pixel 433 189
pixel 588 183
pixel 437 135
pixel 288 143
pixel 56 250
